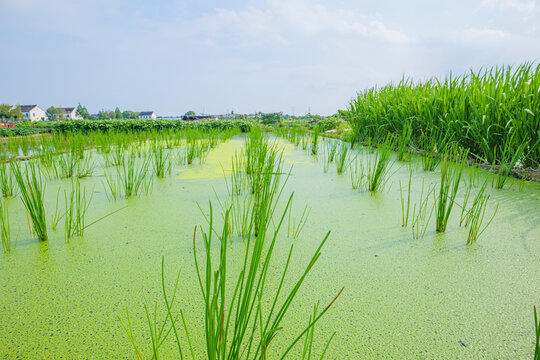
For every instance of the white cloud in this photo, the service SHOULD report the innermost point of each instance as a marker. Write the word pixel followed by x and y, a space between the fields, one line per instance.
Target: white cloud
pixel 482 37
pixel 279 20
pixel 522 6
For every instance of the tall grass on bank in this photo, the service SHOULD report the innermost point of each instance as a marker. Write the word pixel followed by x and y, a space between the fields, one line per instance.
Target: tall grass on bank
pixel 403 142
pixel 4 226
pixel 448 188
pixel 508 159
pixel 236 327
pixel 31 190
pixel 485 111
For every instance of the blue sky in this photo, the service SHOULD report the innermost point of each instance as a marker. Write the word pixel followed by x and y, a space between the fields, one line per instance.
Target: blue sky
pixel 247 56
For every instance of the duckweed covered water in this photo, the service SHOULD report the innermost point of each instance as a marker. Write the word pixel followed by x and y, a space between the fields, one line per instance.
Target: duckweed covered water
pixel 430 298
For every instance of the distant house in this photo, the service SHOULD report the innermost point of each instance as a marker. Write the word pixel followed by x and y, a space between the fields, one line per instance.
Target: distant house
pixel 70 113
pixel 33 113
pixel 147 115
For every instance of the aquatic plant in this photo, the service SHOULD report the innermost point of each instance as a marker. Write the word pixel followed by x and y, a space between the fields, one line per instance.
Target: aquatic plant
pixel 331 147
pixel 85 166
pixel 315 141
pixel 450 179
pixel 233 315
pixel 341 163
pixel 405 211
pixel 57 215
pixel 474 216
pixel 161 163
pixel 537 331
pixel 133 176
pixel 378 167
pixel 357 175
pixel 111 186
pixel 403 141
pixel 7 182
pixel 4 226
pixel 295 228
pixel 31 190
pixel 76 207
pixel 508 159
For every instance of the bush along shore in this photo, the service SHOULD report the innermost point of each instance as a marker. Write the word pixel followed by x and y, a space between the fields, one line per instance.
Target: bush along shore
pixel 30 128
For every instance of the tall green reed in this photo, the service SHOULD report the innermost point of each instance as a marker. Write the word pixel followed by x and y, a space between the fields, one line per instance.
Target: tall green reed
pixel 76 207
pixel 450 180
pixel 379 166
pixel 31 191
pixel 5 233
pixel 7 181
pixel 235 324
pixel 537 332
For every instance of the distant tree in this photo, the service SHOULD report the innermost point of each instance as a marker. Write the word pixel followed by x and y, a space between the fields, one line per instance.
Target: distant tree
pixel 271 118
pixel 130 114
pixel 190 113
pixel 10 112
pixel 5 111
pixel 117 114
pixel 103 115
pixel 83 112
pixel 54 113
pixel 16 112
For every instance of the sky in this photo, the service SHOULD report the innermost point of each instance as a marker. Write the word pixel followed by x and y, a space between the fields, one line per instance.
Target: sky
pixel 214 57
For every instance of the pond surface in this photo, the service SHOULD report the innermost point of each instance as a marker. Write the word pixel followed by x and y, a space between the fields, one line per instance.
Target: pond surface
pixel 404 298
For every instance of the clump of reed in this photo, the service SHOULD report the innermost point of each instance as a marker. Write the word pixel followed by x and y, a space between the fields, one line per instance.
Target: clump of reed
pixel 132 178
pixel 7 181
pixel 433 148
pixel 357 175
pixel 4 226
pixel 403 141
pixel 405 210
pixel 481 110
pixel 294 228
pixel 450 180
pixel 315 141
pixel 379 166
pixel 509 157
pixel 235 324
pixel 331 149
pixel 31 189
pixel 161 162
pixel 474 217
pixel 57 215
pixel 341 162
pixel 76 206
pixel 537 333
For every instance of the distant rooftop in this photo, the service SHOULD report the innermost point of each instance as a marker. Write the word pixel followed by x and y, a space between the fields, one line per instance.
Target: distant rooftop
pixel 143 113
pixel 27 108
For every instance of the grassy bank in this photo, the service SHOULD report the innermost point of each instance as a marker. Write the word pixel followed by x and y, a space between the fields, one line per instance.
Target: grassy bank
pixel 492 113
